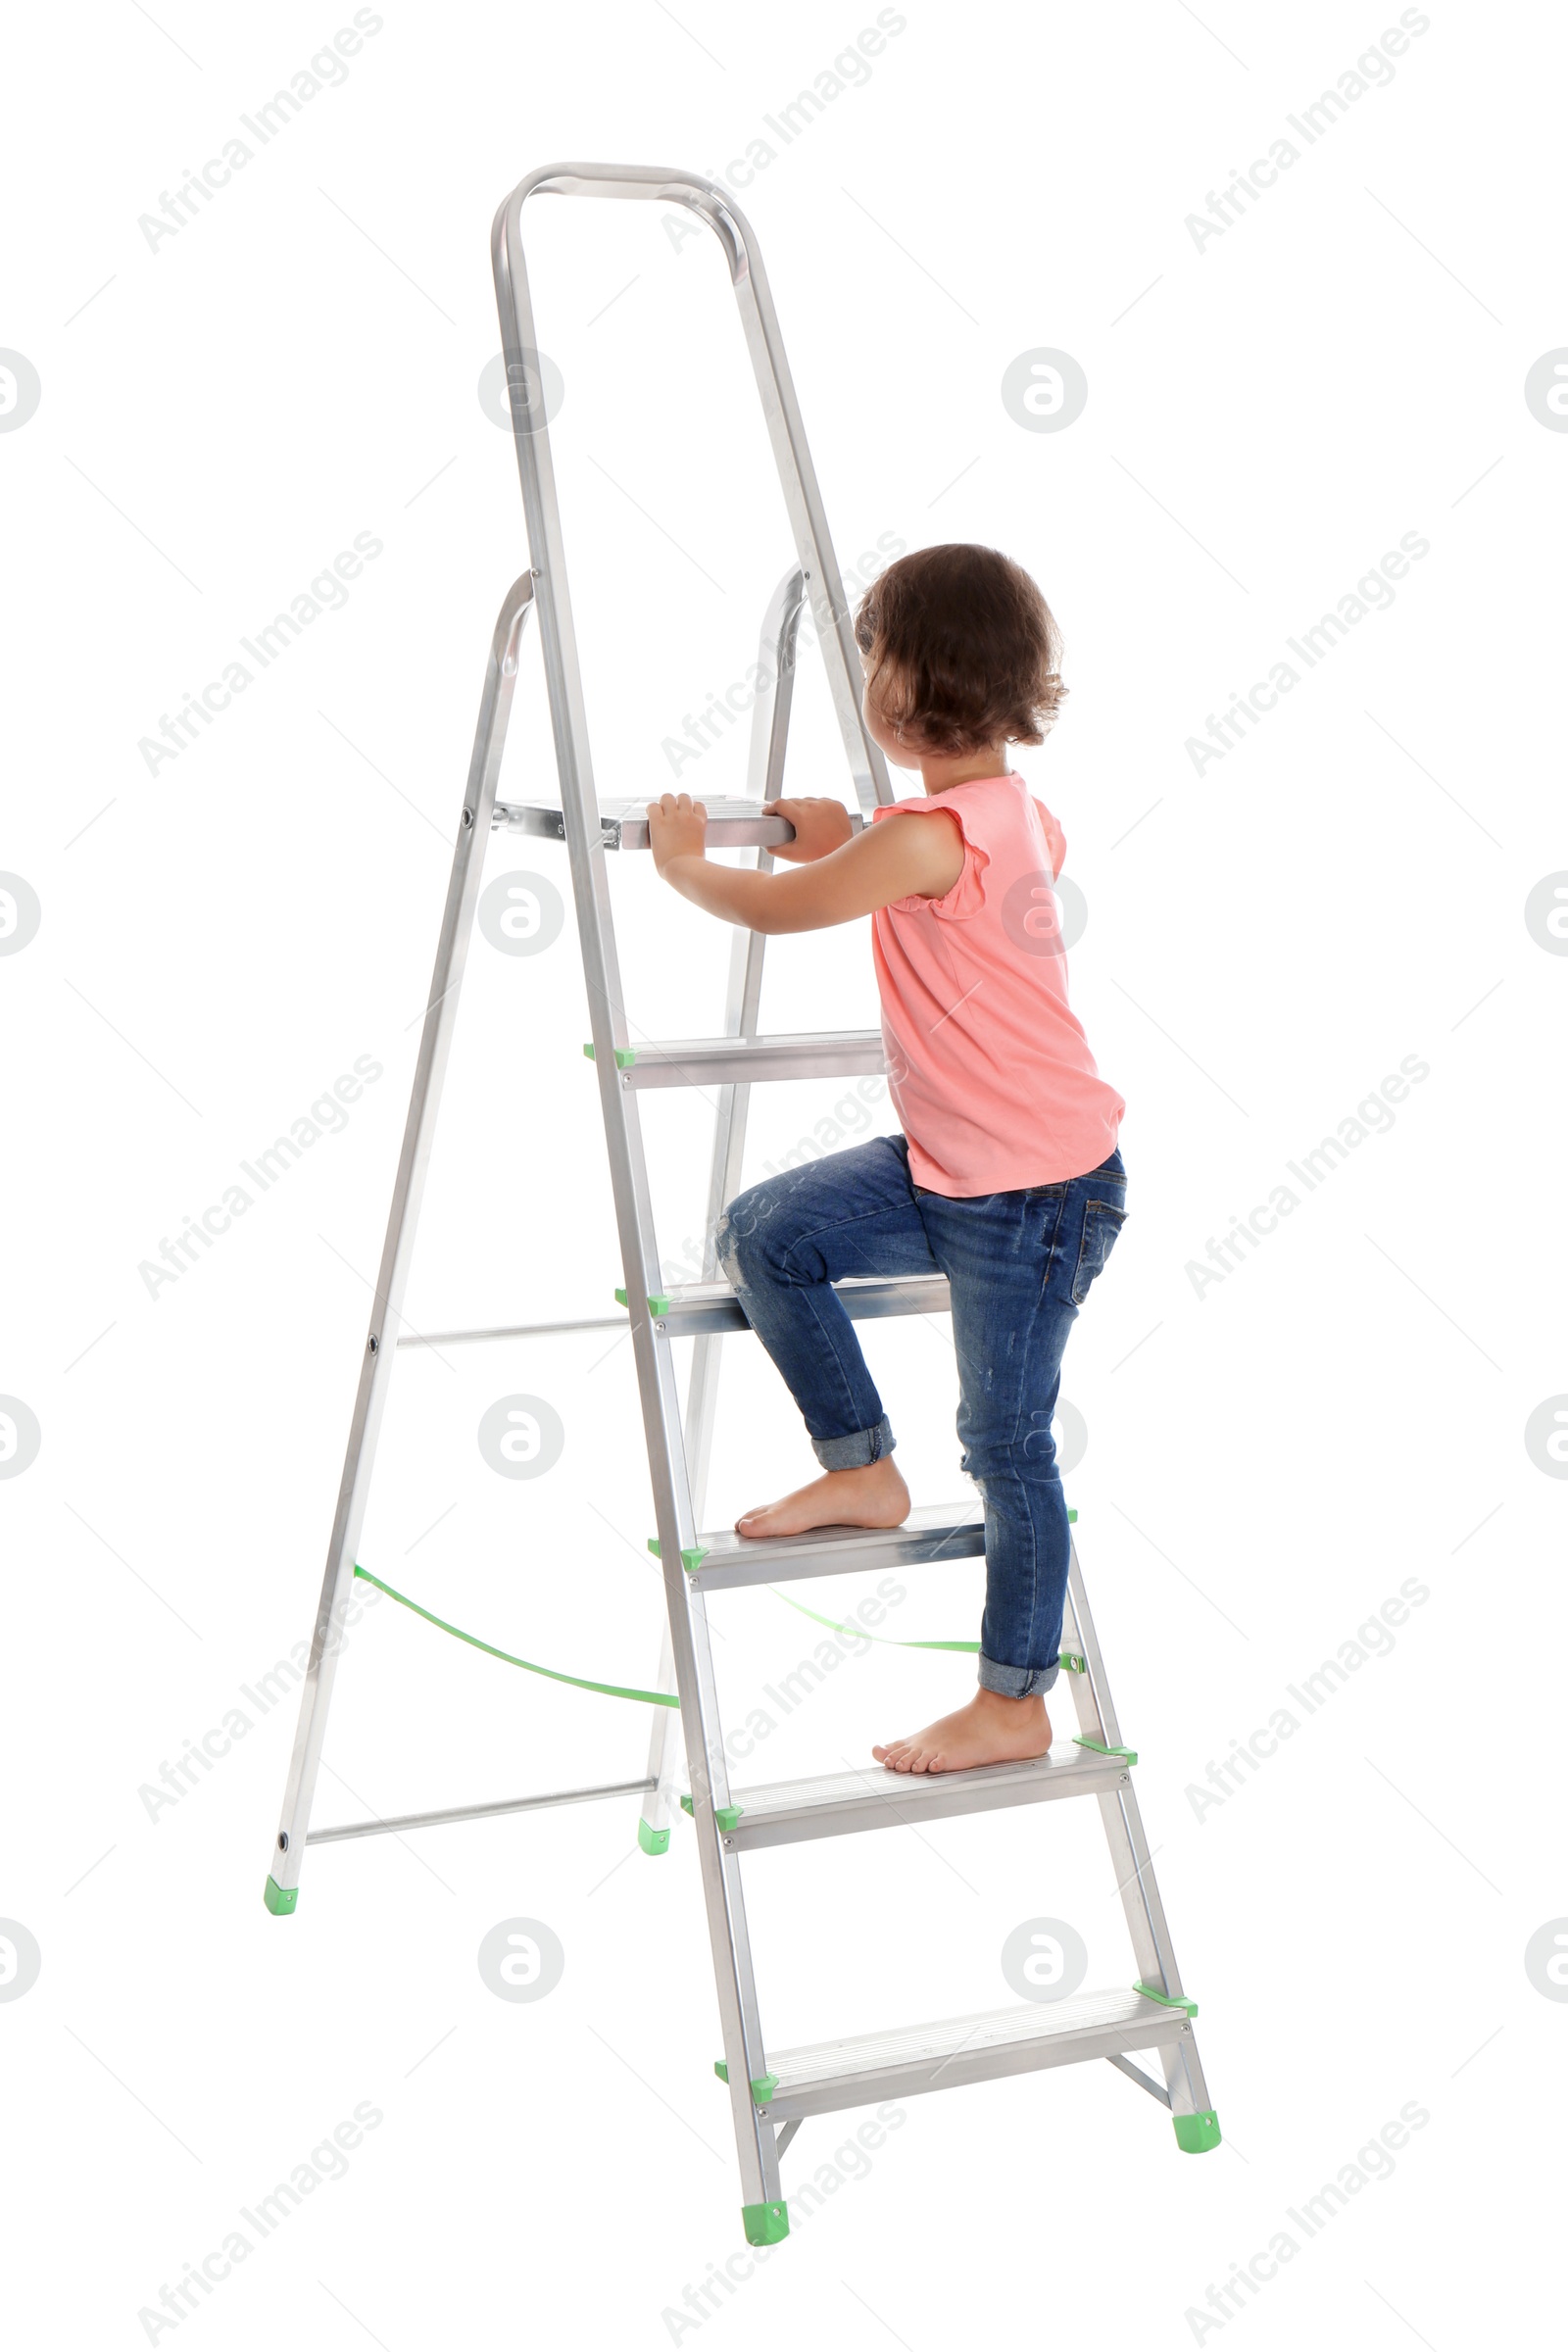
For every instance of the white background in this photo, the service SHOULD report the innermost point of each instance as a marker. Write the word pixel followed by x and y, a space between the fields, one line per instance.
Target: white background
pixel 1267 1462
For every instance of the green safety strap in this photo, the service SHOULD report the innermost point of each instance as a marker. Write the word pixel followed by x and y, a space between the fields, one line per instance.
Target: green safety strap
pixel 655 1698
pixel 856 1633
pixel 652 1699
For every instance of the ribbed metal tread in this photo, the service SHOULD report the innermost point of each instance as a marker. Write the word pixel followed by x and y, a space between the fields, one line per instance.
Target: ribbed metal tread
pixel 731 824
pixel 729 1060
pixel 938 1532
pixel 698 1306
pixel 835 1803
pixel 909 2059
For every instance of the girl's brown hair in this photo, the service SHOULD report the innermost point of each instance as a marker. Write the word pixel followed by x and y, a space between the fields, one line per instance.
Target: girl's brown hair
pixel 962 650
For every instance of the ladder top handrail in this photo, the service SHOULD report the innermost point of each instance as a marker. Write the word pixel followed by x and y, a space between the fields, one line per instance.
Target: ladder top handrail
pixel 648 182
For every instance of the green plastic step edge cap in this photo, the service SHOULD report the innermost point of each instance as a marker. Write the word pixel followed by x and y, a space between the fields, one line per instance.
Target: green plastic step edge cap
pixel 765 2224
pixel 625 1055
pixel 652 1840
pixel 1196 2132
pixel 762 2085
pixel 691 1560
pixel 726 1816
pixel 1129 1755
pixel 1071 1663
pixel 1166 2000
pixel 279 1900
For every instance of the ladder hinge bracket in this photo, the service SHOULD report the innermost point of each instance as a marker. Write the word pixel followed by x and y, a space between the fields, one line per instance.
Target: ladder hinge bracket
pixel 1166 2000
pixel 691 1560
pixel 657 1304
pixel 762 2085
pixel 726 1816
pixel 1128 1755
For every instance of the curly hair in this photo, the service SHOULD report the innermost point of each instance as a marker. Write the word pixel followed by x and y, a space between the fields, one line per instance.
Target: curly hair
pixel 962 650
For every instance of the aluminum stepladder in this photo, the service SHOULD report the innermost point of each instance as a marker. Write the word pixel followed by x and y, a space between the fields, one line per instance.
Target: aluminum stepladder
pixel 770 2091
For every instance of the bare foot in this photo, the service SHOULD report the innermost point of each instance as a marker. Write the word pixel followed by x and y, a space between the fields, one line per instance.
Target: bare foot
pixel 872 1496
pixel 990 1729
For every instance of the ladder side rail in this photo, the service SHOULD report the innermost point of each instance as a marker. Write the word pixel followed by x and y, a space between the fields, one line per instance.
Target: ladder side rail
pixel 1097 1720
pixel 771 718
pixel 375 1372
pixel 770 710
pixel 740 2015
pixel 1123 1824
pixel 700 1725
pixel 1096 1715
pixel 803 498
pixel 802 501
pixel 663 1801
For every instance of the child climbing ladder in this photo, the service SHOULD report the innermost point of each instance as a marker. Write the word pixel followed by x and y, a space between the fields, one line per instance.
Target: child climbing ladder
pixel 1007 1177
pixel 1001 1199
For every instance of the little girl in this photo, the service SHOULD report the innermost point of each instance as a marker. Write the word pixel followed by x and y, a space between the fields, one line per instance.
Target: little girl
pixel 1007 1177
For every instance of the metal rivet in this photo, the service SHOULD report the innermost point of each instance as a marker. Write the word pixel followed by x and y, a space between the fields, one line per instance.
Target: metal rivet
pixel 468 816
pixel 282 1841
pixel 375 1342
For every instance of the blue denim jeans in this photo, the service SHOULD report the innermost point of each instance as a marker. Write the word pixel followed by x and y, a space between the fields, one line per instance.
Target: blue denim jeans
pixel 1020 1267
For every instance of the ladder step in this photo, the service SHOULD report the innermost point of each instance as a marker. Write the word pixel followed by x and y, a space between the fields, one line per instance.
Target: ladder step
pixel 836 1802
pixel 731 824
pixel 692 1307
pixel 728 1060
pixel 939 1531
pixel 867 2067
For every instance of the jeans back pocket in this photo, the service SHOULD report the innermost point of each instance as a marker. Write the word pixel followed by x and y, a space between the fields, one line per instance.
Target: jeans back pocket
pixel 1102 1222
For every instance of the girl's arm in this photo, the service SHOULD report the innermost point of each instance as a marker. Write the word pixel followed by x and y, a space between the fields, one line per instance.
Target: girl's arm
pixel 900 857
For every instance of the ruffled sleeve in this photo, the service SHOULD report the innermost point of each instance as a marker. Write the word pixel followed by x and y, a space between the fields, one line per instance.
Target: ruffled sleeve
pixel 1055 839
pixel 967 894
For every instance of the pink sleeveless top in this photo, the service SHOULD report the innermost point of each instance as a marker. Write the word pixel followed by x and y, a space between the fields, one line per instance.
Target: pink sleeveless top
pixel 990 1072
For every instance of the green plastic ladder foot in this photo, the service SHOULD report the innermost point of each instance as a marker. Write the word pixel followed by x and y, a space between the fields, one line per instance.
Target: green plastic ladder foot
pixel 652 1840
pixel 280 1900
pixel 1196 2132
pixel 765 2224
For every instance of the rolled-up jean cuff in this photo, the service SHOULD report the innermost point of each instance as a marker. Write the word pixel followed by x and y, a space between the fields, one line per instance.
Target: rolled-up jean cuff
pixel 1015 1682
pixel 860 1447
